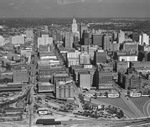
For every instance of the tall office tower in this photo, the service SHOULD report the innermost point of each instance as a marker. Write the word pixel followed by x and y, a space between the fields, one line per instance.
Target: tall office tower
pixel 84 80
pixel 74 26
pixel 100 57
pixel 97 40
pixel 86 38
pixel 83 28
pixel 68 40
pixel 29 35
pixel 121 37
pixel 107 43
pixel 46 29
pixel 144 39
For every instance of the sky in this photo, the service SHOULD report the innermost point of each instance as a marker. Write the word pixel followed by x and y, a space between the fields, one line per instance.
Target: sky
pixel 74 8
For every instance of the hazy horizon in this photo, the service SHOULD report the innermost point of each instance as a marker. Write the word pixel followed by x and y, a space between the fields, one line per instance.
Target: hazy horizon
pixel 75 8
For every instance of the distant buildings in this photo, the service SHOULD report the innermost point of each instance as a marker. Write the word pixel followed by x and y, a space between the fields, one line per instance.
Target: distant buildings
pixel 17 40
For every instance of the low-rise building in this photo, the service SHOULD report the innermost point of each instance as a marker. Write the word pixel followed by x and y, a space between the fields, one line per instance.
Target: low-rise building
pixel 20 76
pixel 45 87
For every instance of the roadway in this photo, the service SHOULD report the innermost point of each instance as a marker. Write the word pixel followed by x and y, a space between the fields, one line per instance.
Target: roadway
pixel 76 94
pixel 33 82
pixel 146 108
pixel 130 104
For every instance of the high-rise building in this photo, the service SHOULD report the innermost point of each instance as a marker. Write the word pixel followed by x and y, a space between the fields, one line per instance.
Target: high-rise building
pixel 68 40
pixel 84 80
pixel 74 26
pixel 144 39
pixel 115 46
pixel 29 34
pixel 86 38
pixel 104 79
pixel 91 50
pixel 121 37
pixel 129 81
pixel 100 57
pixel 97 40
pixel 73 58
pixel 46 29
pixel 83 28
pixel 107 43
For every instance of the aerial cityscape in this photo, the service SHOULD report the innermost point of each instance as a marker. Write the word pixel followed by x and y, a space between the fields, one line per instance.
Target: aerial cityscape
pixel 76 70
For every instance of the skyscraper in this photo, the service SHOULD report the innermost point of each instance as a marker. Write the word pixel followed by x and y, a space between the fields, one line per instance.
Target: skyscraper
pixel 121 37
pixel 83 28
pixel 74 26
pixel 68 40
pixel 144 39
pixel 29 34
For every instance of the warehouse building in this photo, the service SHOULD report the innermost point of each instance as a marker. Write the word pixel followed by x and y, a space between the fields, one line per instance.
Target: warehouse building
pixel 45 87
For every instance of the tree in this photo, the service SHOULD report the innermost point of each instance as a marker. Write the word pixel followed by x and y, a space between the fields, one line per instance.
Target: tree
pixel 8 67
pixel 120 114
pixel 81 98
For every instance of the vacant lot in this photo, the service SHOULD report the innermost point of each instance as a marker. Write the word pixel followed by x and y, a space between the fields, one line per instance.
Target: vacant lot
pixel 118 102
